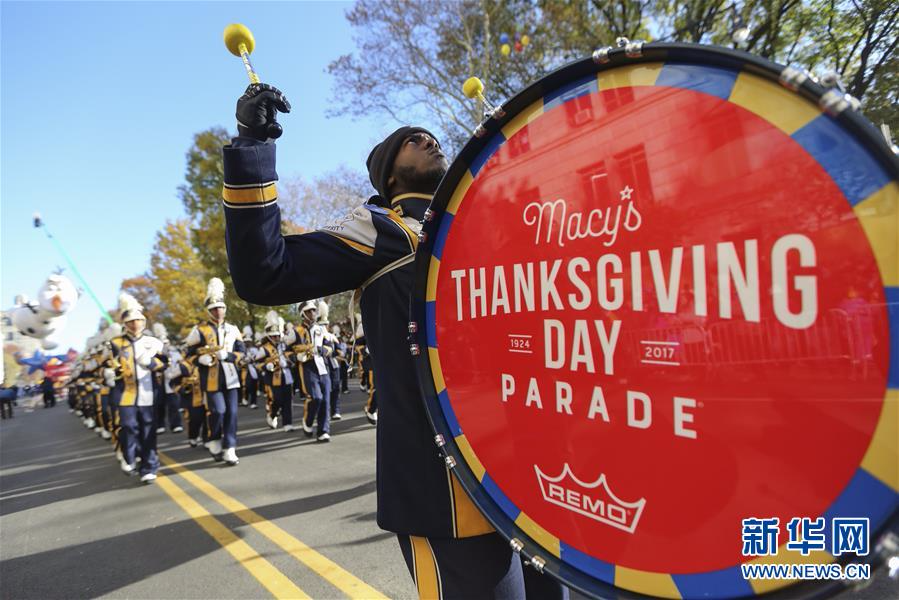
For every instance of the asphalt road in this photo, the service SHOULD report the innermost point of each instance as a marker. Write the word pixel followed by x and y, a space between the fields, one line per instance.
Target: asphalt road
pixel 296 518
pixel 74 526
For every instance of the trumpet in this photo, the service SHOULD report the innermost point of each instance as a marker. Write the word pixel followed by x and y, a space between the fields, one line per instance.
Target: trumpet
pixel 208 349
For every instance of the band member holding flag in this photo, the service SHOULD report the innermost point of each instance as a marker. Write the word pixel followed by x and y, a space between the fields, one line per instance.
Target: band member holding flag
pixel 439 529
pixel 218 346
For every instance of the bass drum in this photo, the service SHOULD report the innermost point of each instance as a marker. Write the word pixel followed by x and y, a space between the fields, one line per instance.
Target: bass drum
pixel 655 318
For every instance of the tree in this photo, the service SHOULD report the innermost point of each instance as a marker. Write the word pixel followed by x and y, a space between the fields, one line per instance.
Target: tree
pixel 201 195
pixel 178 277
pixel 413 55
pixel 309 205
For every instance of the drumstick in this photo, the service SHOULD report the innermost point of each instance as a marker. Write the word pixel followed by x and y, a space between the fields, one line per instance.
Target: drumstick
pixel 239 41
pixel 474 88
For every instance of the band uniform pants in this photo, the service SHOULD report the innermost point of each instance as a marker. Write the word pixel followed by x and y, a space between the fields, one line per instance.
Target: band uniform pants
pixel 477 567
pixel 318 408
pixel 138 425
pixel 282 403
pixel 335 390
pixel 223 416
pixel 168 404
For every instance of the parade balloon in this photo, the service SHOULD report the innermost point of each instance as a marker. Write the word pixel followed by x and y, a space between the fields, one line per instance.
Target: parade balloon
pixel 518 46
pixel 32 321
pixel 504 38
pixel 506 49
pixel 57 295
pixel 525 40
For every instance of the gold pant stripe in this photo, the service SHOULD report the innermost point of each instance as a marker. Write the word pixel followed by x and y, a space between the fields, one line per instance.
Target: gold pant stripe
pixel 427 576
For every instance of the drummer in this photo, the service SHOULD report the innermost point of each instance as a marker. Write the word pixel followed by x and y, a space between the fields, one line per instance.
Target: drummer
pixel 449 547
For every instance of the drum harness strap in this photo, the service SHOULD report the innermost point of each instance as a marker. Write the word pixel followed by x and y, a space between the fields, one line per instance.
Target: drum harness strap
pixel 357 293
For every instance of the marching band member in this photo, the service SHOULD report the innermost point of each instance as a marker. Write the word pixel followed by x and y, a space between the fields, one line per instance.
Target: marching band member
pixel 111 332
pixel 332 350
pixel 309 349
pixel 193 402
pixel 249 375
pixel 276 370
pixel 418 497
pixel 258 339
pixel 136 356
pixel 367 381
pixel 219 346
pixel 104 409
pixel 344 359
pixel 168 398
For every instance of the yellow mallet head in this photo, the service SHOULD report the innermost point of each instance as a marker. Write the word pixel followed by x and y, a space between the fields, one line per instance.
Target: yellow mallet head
pixel 473 88
pixel 237 34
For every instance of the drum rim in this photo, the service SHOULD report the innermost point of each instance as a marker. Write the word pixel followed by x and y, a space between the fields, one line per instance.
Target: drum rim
pixel 857 125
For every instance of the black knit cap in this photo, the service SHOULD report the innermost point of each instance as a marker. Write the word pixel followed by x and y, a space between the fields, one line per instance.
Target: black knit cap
pixel 380 159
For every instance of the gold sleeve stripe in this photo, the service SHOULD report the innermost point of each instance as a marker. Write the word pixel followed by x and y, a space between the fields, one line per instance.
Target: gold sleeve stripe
pixel 354 245
pixel 254 195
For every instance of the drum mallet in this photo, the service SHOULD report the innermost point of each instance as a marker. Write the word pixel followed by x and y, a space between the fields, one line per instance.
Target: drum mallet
pixel 239 41
pixel 474 88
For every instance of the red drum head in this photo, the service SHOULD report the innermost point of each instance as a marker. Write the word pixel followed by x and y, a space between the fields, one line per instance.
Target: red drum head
pixel 659 298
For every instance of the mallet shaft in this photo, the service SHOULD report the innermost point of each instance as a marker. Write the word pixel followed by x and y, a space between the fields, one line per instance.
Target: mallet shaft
pixel 245 56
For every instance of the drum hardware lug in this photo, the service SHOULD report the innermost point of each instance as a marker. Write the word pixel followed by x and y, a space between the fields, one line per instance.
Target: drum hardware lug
pixel 601 55
pixel 888 136
pixel 439 440
pixel 538 563
pixel 834 102
pixel 480 130
pixel 888 549
pixel 516 545
pixel 429 215
pixel 832 80
pixel 413 327
pixel 622 42
pixel 414 349
pixel 450 462
pixel 495 113
pixel 634 49
pixel 793 78
pixel 422 237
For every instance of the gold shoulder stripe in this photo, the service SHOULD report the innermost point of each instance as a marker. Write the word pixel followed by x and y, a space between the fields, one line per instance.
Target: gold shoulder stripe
pixel 413 238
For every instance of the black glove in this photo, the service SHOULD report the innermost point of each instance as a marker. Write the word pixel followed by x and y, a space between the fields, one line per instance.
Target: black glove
pixel 257 112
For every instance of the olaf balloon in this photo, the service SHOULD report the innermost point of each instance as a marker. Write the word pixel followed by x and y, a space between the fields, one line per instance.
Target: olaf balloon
pixel 42 318
pixel 57 295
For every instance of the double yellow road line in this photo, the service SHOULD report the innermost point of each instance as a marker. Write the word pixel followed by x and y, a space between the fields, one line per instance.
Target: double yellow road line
pixel 278 584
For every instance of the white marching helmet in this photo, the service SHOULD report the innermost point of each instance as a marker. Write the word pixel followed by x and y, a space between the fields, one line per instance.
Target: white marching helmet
pixel 129 308
pixel 309 306
pixel 113 331
pixel 323 310
pixel 160 332
pixel 335 329
pixel 215 294
pixel 274 324
pixel 247 333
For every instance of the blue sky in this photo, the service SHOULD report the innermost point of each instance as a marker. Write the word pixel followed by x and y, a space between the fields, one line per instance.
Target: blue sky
pixel 99 104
